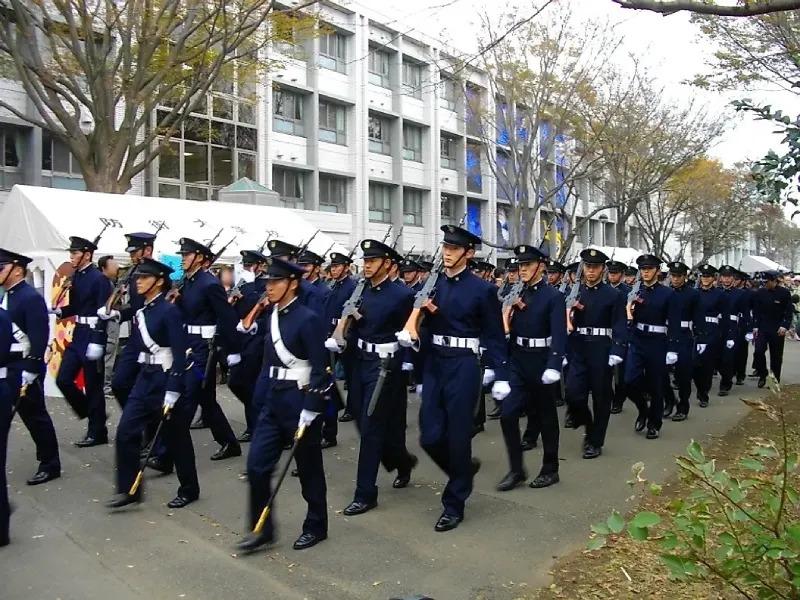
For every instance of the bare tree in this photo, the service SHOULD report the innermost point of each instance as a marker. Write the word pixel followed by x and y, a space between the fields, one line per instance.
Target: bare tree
pixel 536 137
pixel 659 219
pixel 97 70
pixel 743 8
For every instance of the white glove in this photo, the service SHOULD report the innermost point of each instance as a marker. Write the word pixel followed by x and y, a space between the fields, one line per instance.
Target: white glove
pixel 419 389
pixel 407 367
pixel 94 351
pixel 306 418
pixel 500 390
pixel 54 311
pixel 404 339
pixel 28 377
pixel 242 329
pixel 564 362
pixel 112 315
pixel 672 358
pixel 749 337
pixel 550 376
pixel 488 376
pixel 701 348
pixel 333 346
pixel 614 360
pixel 729 344
pixel 170 398
pixel 234 359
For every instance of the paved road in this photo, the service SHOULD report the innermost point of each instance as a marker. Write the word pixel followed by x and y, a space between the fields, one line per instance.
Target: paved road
pixel 66 546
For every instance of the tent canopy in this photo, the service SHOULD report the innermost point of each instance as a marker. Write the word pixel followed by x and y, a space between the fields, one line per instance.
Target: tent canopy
pixel 40 220
pixel 753 264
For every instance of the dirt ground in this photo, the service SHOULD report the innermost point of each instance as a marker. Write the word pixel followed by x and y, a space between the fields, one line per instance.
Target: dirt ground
pixel 625 569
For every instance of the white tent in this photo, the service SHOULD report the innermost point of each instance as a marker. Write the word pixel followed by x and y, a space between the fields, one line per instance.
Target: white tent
pixel 38 221
pixel 753 264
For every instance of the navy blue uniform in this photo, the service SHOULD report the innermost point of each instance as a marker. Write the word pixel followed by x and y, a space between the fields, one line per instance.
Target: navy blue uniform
pixel 740 358
pixel 127 367
pixel 619 371
pixel 161 369
pixel 8 391
pixel 90 290
pixel 599 330
pixel 207 313
pixel 340 292
pixel 772 309
pixel 279 393
pixel 738 301
pixel 690 312
pixel 385 309
pixel 28 312
pixel 468 314
pixel 537 340
pixel 712 328
pixel 655 330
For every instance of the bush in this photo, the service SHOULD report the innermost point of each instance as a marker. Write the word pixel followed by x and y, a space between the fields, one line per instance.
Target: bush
pixel 741 528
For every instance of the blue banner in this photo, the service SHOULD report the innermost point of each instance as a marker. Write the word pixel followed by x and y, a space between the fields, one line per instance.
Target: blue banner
pixel 173 261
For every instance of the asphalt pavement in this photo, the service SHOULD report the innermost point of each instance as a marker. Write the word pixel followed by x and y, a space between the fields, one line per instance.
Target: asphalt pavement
pixel 67 546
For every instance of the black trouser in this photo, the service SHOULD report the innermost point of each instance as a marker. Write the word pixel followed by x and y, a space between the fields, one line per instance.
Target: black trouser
pixel 774 342
pixel 740 357
pixel 704 369
pixel 589 372
pixel 725 365
pixel 619 386
pixel 682 371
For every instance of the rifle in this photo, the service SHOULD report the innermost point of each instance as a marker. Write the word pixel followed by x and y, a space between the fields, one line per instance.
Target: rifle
pixel 123 285
pixel 397 239
pixel 68 282
pixel 514 297
pixel 214 239
pixel 386 235
pixel 424 297
pixel 633 295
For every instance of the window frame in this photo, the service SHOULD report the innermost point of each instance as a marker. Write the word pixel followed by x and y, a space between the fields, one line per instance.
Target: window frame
pixel 296 122
pixel 410 153
pixel 447 161
pixel 296 202
pixel 446 217
pixel 340 136
pixel 327 181
pixel 412 89
pixel 377 77
pixel 386 209
pixel 417 198
pixel 339 60
pixel 385 141
pixel 448 100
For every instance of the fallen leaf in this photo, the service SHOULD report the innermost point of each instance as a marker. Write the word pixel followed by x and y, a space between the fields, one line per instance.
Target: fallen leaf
pixel 38 537
pixel 130 566
pixel 374 583
pixel 233 555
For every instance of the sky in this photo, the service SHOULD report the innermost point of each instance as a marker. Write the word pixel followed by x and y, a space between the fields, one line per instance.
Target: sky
pixel 672 46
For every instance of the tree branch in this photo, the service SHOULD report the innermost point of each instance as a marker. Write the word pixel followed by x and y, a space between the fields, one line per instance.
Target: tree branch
pixel 748 9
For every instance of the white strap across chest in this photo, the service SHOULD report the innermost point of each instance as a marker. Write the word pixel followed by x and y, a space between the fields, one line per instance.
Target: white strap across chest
pixel 288 359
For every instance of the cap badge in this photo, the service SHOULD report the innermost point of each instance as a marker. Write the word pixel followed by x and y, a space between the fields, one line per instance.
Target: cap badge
pixel 272 244
pixel 592 253
pixel 522 249
pixel 367 244
pixel 451 229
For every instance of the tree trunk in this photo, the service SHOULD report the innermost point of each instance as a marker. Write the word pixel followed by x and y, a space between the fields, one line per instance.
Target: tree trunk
pixel 105 182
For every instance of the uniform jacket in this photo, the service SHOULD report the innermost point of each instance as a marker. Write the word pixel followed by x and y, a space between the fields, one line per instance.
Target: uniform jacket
pixel 544 316
pixel 204 302
pixel 772 309
pixel 604 308
pixel 28 311
pixel 165 326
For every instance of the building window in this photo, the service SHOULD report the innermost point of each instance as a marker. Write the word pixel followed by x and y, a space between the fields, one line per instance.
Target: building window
pixel 448 152
pixel 474 112
pixel 287 110
pixel 412 79
pixel 448 98
pixel 333 52
pixel 449 206
pixel 290 185
pixel 380 203
pixel 61 169
pixel 412 143
pixel 412 207
pixel 11 152
pixel 474 175
pixel 379 68
pixel 292 46
pixel 378 133
pixel 332 123
pixel 332 194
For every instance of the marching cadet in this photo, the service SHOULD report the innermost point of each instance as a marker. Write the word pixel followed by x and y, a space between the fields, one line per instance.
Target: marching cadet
pixel 25 363
pixel 140 246
pixel 307 293
pixel 536 349
pixel 410 272
pixel 740 280
pixel 311 262
pixel 630 276
pixel 738 301
pixel 426 267
pixel 653 345
pixel 341 290
pixel 376 377
pixel 714 317
pixel 555 271
pixel 89 291
pixel 614 272
pixel 294 382
pixel 7 396
pixel 596 344
pixel 467 313
pixel 161 346
pixel 772 317
pixel 687 298
pixel 243 376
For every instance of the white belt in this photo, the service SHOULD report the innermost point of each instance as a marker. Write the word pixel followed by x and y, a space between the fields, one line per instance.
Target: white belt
pixel 449 341
pixel 301 375
pixel 594 331
pixel 204 331
pixel 162 357
pixel 22 348
pixel 534 342
pixel 686 324
pixel 3 372
pixel 712 320
pixel 383 350
pixel 734 317
pixel 651 328
pixel 90 321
